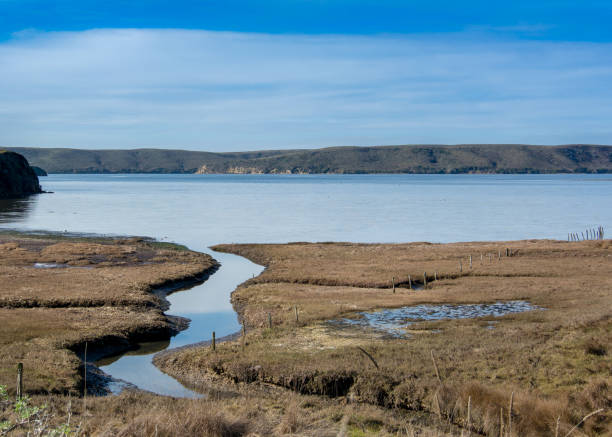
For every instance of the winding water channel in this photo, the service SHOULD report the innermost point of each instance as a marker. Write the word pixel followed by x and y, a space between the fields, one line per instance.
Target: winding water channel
pixel 204 306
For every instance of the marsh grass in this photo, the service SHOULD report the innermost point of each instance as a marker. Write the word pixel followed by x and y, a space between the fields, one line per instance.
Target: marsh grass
pixel 103 295
pixel 555 360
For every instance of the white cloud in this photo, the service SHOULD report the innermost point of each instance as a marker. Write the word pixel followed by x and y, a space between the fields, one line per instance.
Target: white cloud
pixel 236 91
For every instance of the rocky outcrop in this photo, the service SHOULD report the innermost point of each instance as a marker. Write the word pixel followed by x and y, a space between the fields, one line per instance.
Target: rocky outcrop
pixel 17 178
pixel 205 169
pixel 39 171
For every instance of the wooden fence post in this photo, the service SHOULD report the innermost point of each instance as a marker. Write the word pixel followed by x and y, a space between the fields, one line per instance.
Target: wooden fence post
pixel 243 337
pixel 213 344
pixel 85 379
pixel 425 280
pixel 470 261
pixel 510 414
pixel 469 415
pixel 393 283
pixel 409 282
pixel 270 320
pixel 297 319
pixel 435 365
pixel 19 380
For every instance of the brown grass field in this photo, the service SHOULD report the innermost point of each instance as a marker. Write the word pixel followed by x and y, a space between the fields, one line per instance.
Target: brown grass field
pixel 310 377
pixel 104 296
pixel 555 363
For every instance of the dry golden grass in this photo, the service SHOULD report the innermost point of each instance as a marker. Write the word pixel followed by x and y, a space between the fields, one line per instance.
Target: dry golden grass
pixel 46 339
pixel 97 274
pixel 48 313
pixel 374 265
pixel 557 360
pixel 281 413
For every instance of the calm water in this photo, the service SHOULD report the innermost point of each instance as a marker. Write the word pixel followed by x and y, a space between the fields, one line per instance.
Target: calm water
pixel 202 210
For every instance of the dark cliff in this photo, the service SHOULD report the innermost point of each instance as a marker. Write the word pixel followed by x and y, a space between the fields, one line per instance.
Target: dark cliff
pixel 17 178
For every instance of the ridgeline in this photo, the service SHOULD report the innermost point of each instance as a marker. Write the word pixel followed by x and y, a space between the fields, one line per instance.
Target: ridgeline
pixel 478 158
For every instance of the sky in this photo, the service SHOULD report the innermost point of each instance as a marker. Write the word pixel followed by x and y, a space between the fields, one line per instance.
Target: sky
pixel 267 74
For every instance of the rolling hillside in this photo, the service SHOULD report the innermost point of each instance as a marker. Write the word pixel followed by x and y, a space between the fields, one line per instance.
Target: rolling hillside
pixel 382 159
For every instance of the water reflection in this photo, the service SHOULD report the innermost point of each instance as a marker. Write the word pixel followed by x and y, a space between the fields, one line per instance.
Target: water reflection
pixel 148 348
pixel 16 210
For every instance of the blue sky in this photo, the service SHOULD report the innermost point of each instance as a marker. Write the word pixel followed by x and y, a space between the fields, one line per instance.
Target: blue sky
pixel 237 75
pixel 548 19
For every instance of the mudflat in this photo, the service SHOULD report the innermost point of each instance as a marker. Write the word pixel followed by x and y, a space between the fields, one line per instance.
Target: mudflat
pixel 533 372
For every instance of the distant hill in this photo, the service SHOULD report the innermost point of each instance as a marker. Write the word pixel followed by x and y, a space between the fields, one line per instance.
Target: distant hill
pixel 17 178
pixel 479 158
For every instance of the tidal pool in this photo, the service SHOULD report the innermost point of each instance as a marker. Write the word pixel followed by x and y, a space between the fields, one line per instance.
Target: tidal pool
pixel 395 321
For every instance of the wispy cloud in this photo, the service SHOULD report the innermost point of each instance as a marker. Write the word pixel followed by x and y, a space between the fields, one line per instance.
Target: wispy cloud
pixel 230 91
